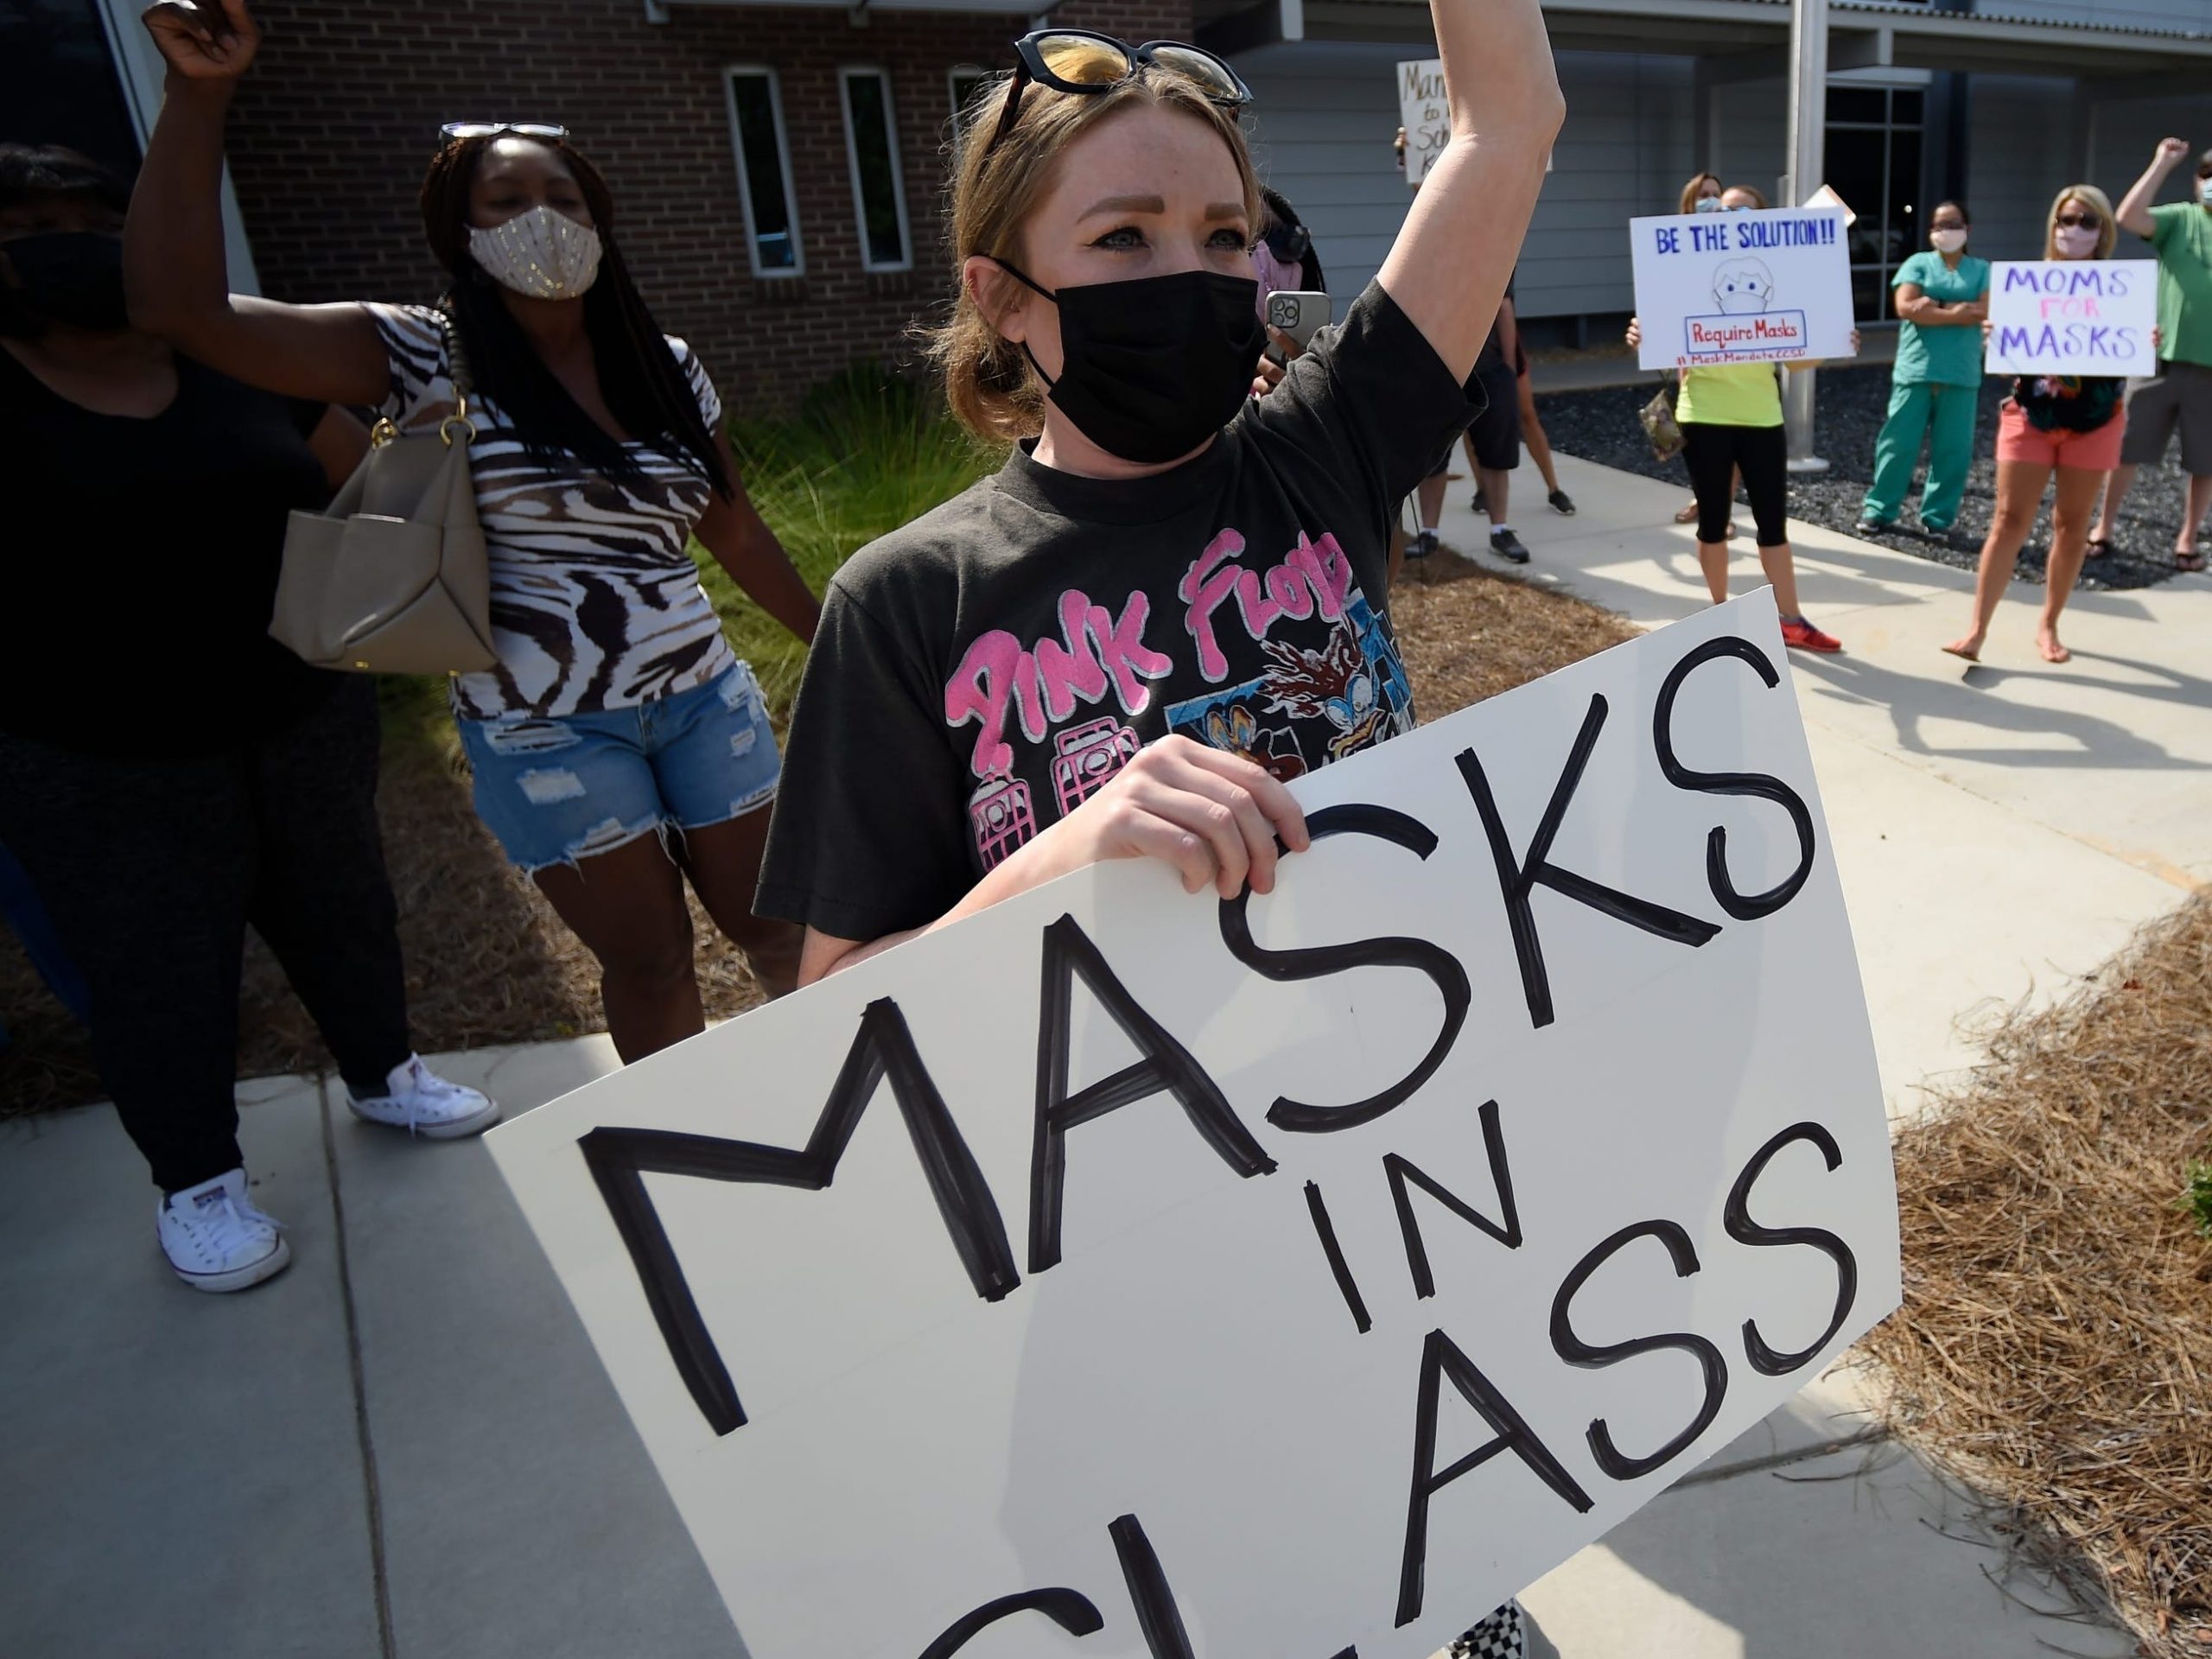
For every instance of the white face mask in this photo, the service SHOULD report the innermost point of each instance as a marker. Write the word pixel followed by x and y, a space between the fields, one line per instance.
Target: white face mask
pixel 1947 241
pixel 2075 241
pixel 543 253
pixel 2205 190
pixel 1707 205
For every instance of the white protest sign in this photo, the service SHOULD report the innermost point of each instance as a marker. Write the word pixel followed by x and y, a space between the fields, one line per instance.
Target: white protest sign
pixel 2073 317
pixel 1425 113
pixel 1755 287
pixel 1122 1274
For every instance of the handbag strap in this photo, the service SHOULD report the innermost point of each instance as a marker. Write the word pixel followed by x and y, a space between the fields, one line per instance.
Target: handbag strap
pixel 457 373
pixel 464 383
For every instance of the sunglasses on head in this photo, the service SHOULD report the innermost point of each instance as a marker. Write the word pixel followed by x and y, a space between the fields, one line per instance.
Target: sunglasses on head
pixel 1084 60
pixel 2081 221
pixel 457 130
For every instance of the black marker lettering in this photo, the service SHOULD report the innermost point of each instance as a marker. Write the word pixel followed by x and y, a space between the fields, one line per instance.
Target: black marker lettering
pixel 1071 1612
pixel 1743 907
pixel 1339 1268
pixel 1167 1067
pixel 1157 1617
pixel 1575 1351
pixel 1517 878
pixel 1741 1228
pixel 1441 1357
pixel 1442 968
pixel 620 1158
pixel 1400 1171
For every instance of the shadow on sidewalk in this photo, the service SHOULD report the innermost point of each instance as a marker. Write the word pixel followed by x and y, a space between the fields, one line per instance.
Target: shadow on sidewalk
pixel 2089 741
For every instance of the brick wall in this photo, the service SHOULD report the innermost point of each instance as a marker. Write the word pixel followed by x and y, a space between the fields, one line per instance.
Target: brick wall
pixel 336 124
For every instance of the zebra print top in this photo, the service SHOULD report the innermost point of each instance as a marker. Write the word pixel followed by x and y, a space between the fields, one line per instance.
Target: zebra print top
pixel 595 604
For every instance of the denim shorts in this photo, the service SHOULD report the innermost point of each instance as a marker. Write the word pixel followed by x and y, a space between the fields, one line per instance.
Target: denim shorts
pixel 560 788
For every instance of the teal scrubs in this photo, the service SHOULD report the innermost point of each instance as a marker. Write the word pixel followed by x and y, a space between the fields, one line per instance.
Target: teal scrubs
pixel 1933 393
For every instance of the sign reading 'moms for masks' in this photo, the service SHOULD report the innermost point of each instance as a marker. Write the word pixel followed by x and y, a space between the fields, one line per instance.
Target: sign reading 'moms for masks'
pixel 2073 317
pixel 1760 287
pixel 1124 1274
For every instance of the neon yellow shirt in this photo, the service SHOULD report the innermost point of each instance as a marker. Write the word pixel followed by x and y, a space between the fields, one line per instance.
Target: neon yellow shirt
pixel 1730 394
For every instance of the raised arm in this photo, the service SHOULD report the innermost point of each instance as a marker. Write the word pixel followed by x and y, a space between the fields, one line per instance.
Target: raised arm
pixel 173 261
pixel 1448 268
pixel 2134 211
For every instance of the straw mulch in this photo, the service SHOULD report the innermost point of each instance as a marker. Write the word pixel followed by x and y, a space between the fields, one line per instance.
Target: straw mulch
pixel 489 963
pixel 2054 1350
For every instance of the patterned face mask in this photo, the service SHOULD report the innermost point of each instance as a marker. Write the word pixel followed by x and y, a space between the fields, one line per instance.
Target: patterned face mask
pixel 543 253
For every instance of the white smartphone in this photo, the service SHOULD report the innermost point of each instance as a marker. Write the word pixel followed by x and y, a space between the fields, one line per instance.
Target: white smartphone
pixel 1299 314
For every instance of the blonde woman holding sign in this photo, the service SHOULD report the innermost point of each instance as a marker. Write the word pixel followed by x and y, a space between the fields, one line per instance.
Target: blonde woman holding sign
pixel 1730 417
pixel 2069 425
pixel 1173 597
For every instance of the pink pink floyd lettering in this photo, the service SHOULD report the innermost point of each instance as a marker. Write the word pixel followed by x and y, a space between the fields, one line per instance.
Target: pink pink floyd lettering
pixel 1328 682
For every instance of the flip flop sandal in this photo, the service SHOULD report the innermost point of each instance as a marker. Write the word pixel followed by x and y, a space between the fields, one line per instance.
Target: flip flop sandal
pixel 1687 515
pixel 2098 547
pixel 2189 561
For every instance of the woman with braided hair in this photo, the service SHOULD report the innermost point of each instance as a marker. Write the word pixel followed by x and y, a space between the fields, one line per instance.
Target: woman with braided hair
pixel 618 745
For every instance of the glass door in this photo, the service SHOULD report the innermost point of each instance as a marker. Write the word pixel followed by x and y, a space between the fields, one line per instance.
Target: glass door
pixel 1873 160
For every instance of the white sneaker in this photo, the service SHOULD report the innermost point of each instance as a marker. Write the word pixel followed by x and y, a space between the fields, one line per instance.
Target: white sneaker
pixel 422 1102
pixel 216 1239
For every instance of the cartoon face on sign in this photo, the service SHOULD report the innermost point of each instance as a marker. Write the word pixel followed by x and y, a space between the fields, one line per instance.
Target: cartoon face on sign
pixel 1740 286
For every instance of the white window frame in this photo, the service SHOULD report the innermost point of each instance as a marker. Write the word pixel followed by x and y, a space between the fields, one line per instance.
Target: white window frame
pixel 767 73
pixel 846 73
pixel 953 77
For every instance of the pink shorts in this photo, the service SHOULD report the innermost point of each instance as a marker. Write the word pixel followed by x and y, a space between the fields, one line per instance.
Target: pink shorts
pixel 2091 452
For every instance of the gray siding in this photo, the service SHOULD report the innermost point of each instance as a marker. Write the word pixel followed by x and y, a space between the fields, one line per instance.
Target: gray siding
pixel 2021 153
pixel 1324 113
pixel 2123 135
pixel 1751 123
pixel 2194 17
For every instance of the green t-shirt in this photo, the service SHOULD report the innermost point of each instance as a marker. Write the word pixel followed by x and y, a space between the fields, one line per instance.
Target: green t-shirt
pixel 2181 233
pixel 1946 356
pixel 1730 394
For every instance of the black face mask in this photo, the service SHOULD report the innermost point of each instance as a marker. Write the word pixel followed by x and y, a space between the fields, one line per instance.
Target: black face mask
pixel 1153 367
pixel 72 276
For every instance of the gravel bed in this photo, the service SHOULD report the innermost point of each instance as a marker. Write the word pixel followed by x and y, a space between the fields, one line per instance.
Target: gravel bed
pixel 1601 426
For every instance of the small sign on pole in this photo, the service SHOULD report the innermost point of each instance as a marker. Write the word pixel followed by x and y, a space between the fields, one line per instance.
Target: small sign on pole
pixel 2073 317
pixel 1124 1273
pixel 1425 114
pixel 1761 287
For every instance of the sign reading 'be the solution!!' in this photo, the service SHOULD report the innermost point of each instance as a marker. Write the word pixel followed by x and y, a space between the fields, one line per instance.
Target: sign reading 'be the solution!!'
pixel 1755 287
pixel 1127 1274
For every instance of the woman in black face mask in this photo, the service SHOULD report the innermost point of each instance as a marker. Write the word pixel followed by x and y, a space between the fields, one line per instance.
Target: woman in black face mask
pixel 168 772
pixel 1170 599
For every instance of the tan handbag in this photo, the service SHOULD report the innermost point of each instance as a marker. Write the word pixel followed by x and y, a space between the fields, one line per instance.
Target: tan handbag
pixel 1660 427
pixel 392 578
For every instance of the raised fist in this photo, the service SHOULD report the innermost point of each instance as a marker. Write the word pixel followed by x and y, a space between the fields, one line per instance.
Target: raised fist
pixel 204 39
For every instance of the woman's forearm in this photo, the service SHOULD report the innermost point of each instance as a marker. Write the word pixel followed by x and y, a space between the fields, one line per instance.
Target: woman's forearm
pixel 741 542
pixel 173 260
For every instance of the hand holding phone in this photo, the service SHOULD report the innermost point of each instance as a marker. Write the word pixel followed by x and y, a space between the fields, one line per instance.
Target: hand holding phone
pixel 1298 314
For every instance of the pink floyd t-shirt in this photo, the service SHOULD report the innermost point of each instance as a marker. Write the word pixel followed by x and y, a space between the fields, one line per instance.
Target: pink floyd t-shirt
pixel 982 672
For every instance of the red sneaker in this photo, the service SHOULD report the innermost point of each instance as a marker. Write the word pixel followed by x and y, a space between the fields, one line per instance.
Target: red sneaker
pixel 1805 637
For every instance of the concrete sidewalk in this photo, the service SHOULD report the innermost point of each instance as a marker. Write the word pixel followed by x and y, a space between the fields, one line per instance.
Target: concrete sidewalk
pixel 404 1448
pixel 2001 828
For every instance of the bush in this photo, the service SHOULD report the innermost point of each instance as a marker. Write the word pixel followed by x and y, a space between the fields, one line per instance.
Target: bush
pixel 865 452
pixel 2196 1197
